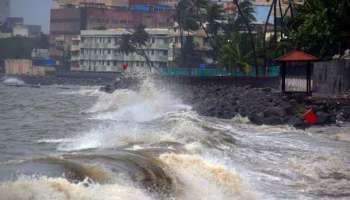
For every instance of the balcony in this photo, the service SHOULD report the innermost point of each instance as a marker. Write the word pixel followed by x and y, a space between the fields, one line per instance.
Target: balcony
pixel 75 48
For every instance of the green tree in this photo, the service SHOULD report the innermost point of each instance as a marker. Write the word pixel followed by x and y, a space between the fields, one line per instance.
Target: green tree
pixel 245 14
pixel 187 20
pixel 136 42
pixel 213 18
pixel 232 57
pixel 318 26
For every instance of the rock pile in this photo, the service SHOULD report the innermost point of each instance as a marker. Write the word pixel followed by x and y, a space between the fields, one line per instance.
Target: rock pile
pixel 260 105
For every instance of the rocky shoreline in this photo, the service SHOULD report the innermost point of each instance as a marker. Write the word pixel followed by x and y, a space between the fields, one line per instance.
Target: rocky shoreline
pixel 223 100
pixel 261 105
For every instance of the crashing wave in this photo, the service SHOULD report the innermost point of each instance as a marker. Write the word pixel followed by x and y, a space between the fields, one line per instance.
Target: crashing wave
pixel 12 81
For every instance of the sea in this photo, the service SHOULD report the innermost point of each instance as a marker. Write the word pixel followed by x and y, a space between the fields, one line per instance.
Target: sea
pixel 77 143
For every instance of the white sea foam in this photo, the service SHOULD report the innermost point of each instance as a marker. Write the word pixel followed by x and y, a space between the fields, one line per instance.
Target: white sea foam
pixel 61 189
pixel 13 81
pixel 204 180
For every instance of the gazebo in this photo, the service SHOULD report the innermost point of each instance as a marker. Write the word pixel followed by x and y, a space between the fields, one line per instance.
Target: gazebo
pixel 297 57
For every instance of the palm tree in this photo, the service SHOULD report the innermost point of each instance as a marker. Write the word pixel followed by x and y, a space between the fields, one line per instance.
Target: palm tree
pixel 187 21
pixel 213 16
pixel 136 43
pixel 231 55
pixel 247 25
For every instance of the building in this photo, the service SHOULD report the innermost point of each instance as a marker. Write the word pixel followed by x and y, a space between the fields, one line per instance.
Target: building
pixel 20 30
pixel 34 30
pixel 99 50
pixel 113 3
pixel 28 67
pixel 66 22
pixel 10 23
pixel 14 21
pixel 75 54
pixel 110 3
pixel 5 35
pixel 40 54
pixel 4 10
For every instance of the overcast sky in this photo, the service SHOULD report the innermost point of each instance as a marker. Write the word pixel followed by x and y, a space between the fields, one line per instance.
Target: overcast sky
pixel 36 12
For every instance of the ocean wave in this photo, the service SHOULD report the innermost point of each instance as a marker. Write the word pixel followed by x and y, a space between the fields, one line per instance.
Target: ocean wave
pixel 202 180
pixel 62 189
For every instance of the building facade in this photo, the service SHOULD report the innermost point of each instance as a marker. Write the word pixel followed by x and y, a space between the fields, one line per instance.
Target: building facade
pixel 67 22
pixel 28 67
pixel 99 51
pixel 20 31
pixel 111 3
pixel 34 30
pixel 4 10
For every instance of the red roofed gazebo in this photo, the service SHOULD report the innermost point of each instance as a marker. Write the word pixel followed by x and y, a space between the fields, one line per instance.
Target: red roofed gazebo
pixel 297 57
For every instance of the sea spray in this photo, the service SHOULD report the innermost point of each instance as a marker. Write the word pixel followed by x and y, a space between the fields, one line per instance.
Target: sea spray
pixel 13 81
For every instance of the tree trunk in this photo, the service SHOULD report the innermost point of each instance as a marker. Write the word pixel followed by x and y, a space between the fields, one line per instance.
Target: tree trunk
pixel 275 21
pixel 291 8
pixel 149 63
pixel 250 34
pixel 264 39
pixel 281 18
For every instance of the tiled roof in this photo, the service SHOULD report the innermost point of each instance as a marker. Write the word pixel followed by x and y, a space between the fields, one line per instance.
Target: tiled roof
pixel 296 56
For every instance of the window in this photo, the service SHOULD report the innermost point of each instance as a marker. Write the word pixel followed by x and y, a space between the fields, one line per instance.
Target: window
pixel 165 52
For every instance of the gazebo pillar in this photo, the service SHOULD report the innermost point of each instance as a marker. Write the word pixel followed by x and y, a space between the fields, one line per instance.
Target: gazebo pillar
pixel 308 78
pixel 283 76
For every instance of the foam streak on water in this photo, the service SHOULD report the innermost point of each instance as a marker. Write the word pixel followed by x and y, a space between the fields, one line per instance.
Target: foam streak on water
pixel 147 144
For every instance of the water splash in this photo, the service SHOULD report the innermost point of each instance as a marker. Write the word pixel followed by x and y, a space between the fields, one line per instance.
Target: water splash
pixel 13 81
pixel 202 180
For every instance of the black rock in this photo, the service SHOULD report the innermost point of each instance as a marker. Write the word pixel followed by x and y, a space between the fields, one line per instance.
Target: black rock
pixel 274 112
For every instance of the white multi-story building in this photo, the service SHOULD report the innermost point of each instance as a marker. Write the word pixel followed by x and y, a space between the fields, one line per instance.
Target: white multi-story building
pixel 4 10
pixel 99 50
pixel 20 30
